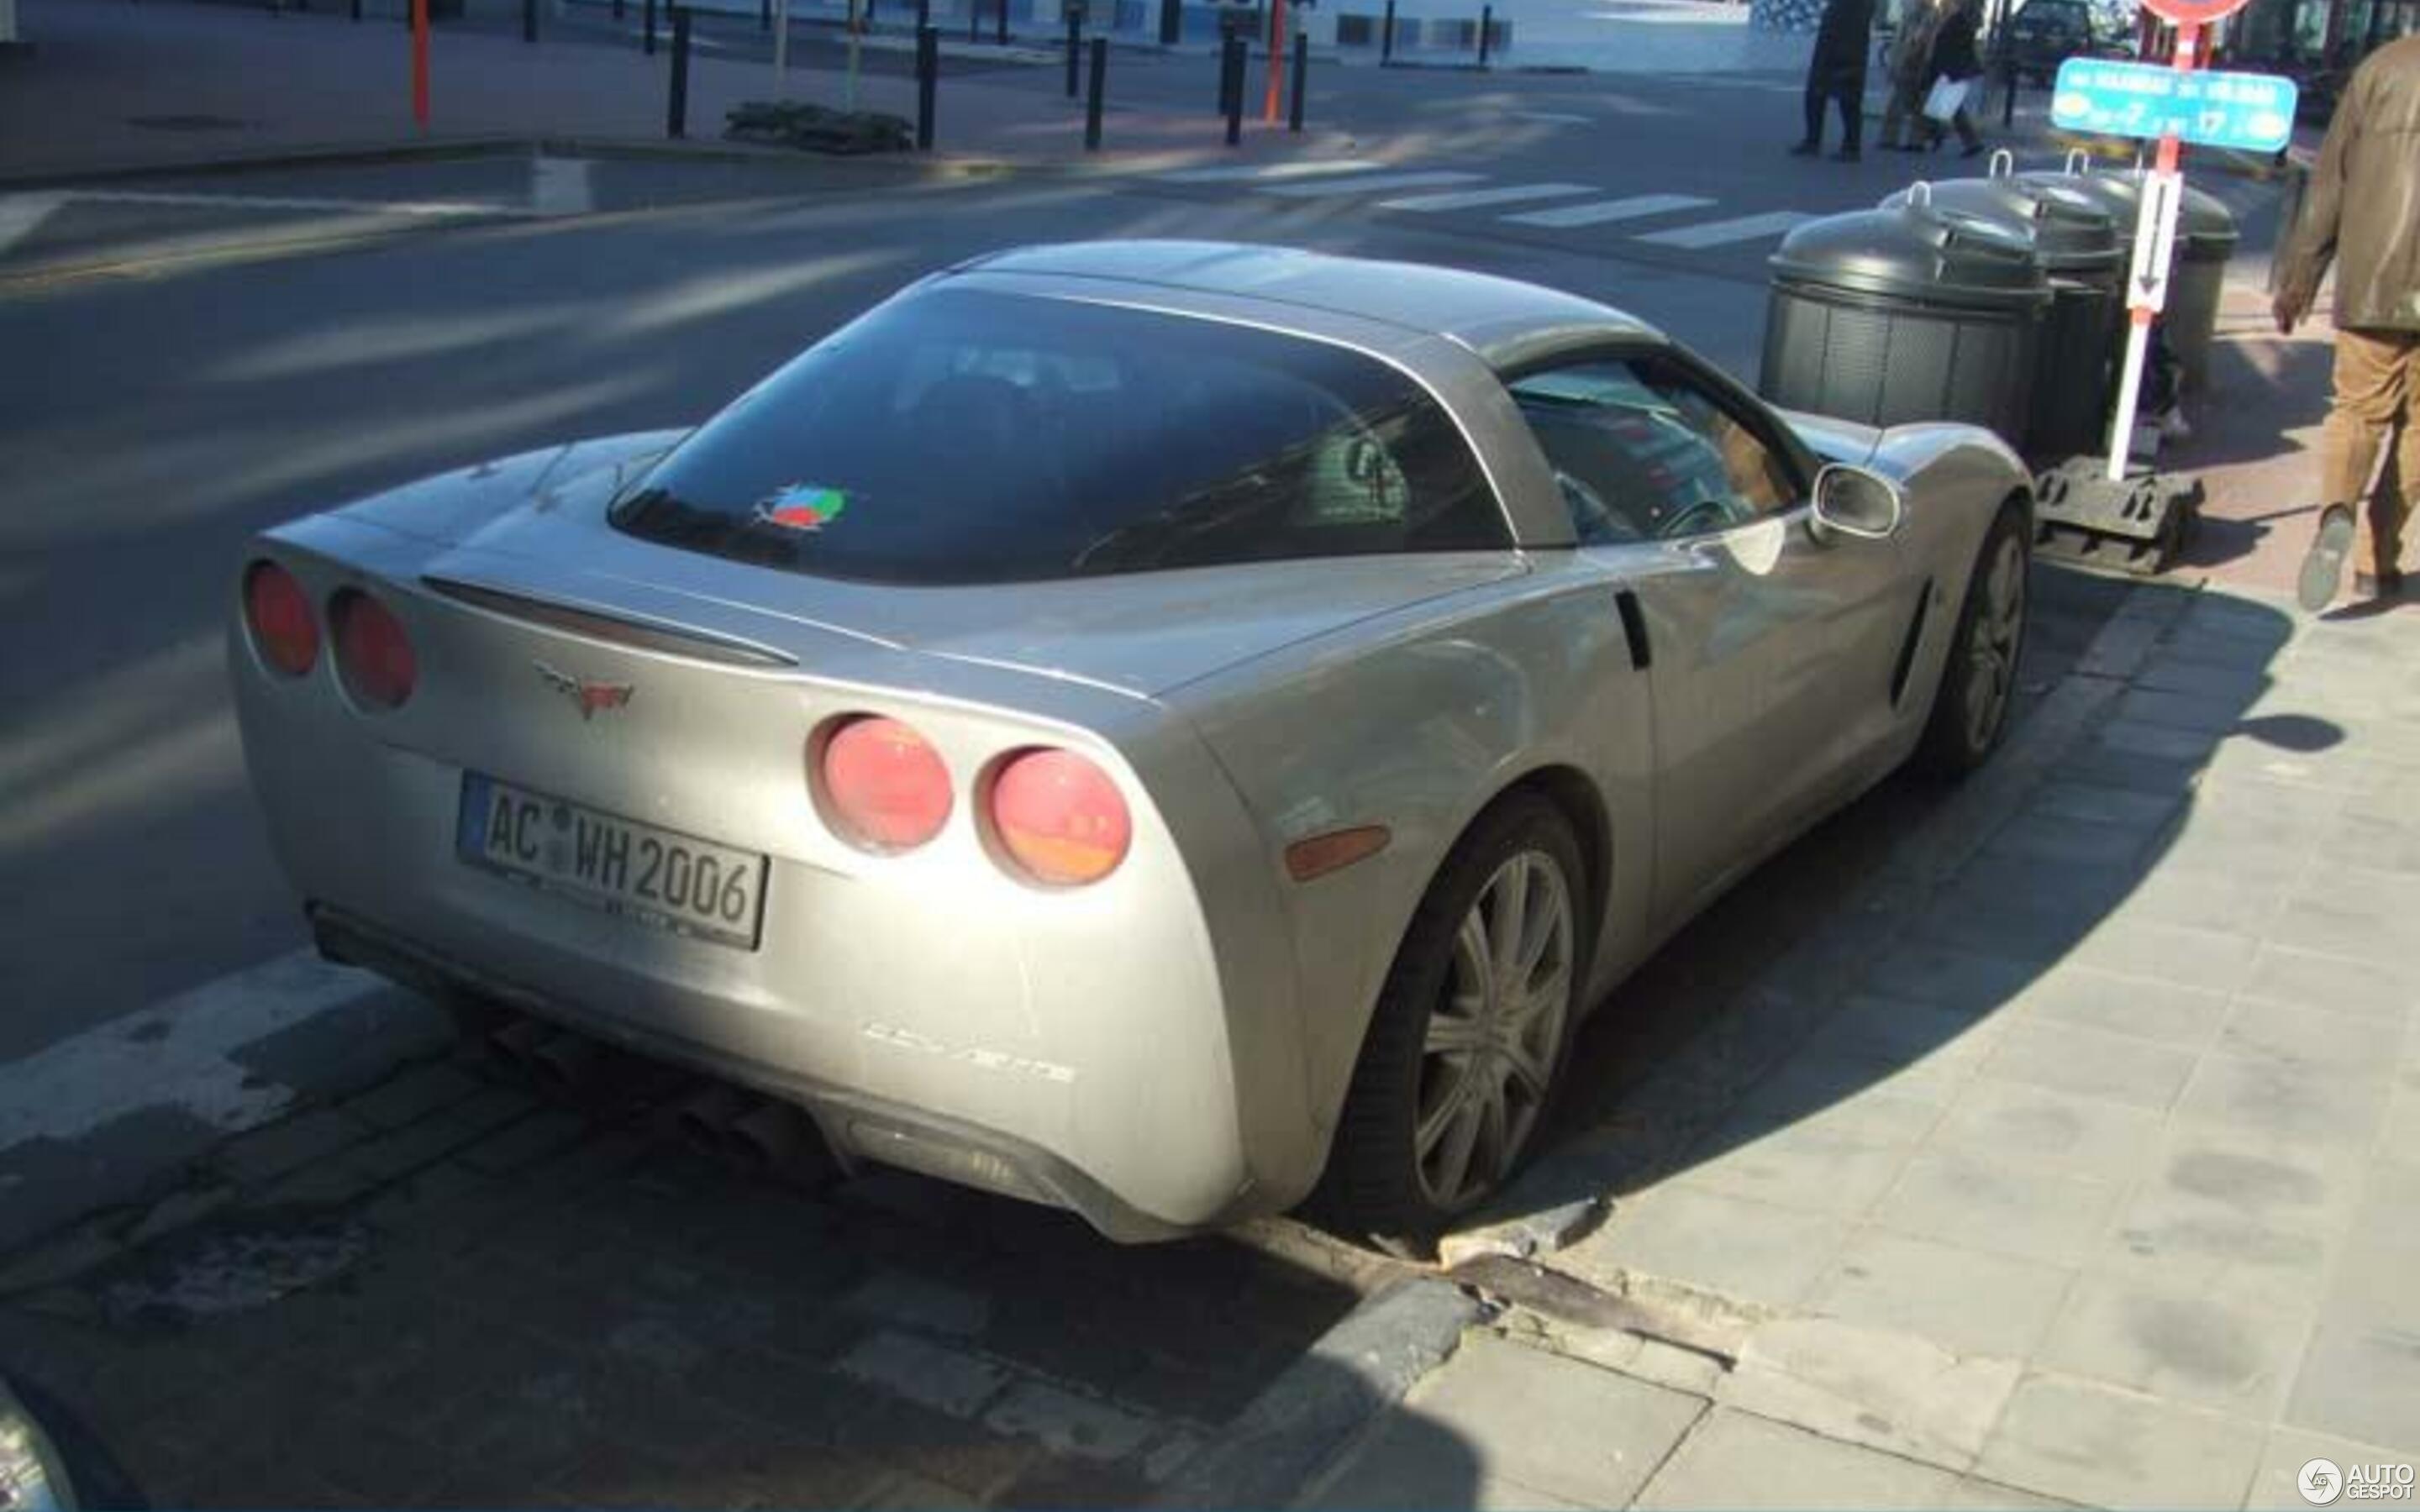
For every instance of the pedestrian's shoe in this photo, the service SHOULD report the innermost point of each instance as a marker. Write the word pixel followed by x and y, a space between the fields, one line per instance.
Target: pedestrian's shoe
pixel 2383 585
pixel 1806 149
pixel 1847 155
pixel 2323 565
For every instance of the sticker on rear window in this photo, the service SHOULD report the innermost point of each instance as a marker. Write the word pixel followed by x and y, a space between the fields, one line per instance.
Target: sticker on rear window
pixel 802 507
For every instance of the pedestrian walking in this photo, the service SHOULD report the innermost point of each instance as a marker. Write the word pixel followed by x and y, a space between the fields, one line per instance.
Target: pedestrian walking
pixel 1911 76
pixel 2362 213
pixel 1837 75
pixel 1957 65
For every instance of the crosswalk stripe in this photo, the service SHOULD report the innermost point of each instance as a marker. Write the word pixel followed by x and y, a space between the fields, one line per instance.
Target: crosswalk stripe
pixel 1232 175
pixel 1717 232
pixel 1473 198
pixel 1599 211
pixel 1332 188
pixel 22 215
pixel 285 202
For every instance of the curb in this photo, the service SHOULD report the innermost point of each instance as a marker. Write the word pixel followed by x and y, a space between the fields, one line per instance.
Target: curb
pixel 1321 1404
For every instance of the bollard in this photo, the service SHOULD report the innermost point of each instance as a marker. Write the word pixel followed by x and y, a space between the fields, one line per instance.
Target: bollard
pixel 974 21
pixel 677 112
pixel 1000 24
pixel 923 14
pixel 1226 77
pixel 357 10
pixel 1301 81
pixel 1236 61
pixel 1486 28
pixel 1387 36
pixel 1092 97
pixel 648 45
pixel 529 21
pixel 928 69
pixel 617 10
pixel 1075 46
pixel 763 15
pixel 1172 21
pixel 2009 77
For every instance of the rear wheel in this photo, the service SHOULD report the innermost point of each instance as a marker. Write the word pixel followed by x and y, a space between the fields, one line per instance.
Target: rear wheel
pixel 1979 680
pixel 1466 1047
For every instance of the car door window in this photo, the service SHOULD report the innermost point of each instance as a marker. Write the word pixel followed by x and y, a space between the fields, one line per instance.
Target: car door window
pixel 1641 452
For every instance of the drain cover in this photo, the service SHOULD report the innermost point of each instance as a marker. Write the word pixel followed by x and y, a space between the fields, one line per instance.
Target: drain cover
pixel 187 123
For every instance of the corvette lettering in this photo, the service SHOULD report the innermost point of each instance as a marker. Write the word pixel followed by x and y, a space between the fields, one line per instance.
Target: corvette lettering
pixel 589 696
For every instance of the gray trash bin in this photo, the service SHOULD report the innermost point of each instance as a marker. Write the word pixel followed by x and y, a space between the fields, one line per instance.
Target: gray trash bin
pixel 2207 237
pixel 2076 242
pixel 1913 313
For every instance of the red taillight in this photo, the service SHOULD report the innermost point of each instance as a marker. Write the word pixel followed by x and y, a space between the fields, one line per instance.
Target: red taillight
pixel 1060 817
pixel 886 788
pixel 372 651
pixel 279 612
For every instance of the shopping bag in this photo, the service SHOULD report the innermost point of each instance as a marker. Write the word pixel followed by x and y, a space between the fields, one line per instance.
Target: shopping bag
pixel 1948 97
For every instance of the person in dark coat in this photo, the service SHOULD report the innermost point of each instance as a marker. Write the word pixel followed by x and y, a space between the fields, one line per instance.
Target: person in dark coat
pixel 1837 75
pixel 1954 57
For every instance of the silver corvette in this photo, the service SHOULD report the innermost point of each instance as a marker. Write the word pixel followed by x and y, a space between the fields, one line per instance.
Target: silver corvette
pixel 1169 730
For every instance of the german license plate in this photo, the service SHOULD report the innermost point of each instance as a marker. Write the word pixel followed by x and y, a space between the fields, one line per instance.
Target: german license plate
pixel 672 881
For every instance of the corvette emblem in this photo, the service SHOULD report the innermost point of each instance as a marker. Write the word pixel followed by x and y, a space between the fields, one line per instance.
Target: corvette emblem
pixel 591 697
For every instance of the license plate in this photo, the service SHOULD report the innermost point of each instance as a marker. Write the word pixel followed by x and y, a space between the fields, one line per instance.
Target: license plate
pixel 672 881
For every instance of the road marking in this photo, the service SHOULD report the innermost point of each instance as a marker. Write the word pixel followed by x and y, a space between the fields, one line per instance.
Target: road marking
pixel 22 215
pixel 1473 198
pixel 560 186
pixel 1269 171
pixel 271 202
pixel 1332 188
pixel 1556 116
pixel 1717 232
pixel 175 1054
pixel 1600 212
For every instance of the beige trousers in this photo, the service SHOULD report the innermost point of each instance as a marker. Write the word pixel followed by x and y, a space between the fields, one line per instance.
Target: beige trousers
pixel 2377 399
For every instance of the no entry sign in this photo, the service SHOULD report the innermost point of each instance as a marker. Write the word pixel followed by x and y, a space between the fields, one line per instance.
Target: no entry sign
pixel 2193 12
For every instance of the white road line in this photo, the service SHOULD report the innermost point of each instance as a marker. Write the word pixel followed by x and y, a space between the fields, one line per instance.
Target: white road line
pixel 1718 233
pixel 269 201
pixel 22 215
pixel 174 1055
pixel 1473 198
pixel 560 186
pixel 1557 118
pixel 1600 212
pixel 1337 188
pixel 1270 171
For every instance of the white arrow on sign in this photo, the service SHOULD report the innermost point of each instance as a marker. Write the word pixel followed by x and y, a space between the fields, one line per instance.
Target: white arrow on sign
pixel 2155 242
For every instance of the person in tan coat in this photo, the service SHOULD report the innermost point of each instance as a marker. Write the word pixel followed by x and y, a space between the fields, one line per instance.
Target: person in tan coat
pixel 1911 76
pixel 2362 214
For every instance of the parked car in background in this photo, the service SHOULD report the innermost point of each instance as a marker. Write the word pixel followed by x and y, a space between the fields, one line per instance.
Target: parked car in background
pixel 2046 33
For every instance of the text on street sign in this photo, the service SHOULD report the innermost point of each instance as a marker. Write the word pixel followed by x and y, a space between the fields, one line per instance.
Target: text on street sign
pixel 2251 112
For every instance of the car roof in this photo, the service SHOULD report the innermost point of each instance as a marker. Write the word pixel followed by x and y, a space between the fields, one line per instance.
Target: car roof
pixel 1503 320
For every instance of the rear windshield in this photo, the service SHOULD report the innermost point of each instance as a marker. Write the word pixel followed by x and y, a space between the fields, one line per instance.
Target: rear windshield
pixel 958 437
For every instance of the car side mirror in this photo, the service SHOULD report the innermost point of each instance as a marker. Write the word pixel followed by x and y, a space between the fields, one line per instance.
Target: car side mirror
pixel 1853 502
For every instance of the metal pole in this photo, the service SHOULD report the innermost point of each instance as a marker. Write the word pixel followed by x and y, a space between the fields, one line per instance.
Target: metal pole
pixel 677 112
pixel 2159 209
pixel 928 69
pixel 1075 46
pixel 781 46
pixel 923 14
pixel 357 10
pixel 1235 94
pixel 848 85
pixel 617 10
pixel 763 15
pixel 529 21
pixel 1226 75
pixel 648 45
pixel 1301 79
pixel 1387 36
pixel 1172 21
pixel 1092 98
pixel 1000 24
pixel 1486 29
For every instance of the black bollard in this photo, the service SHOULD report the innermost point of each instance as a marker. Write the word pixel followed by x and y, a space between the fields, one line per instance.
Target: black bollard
pixel 1486 31
pixel 1301 81
pixel 2008 81
pixel 1226 77
pixel 1000 24
pixel 357 10
pixel 676 112
pixel 1387 36
pixel 1172 21
pixel 1235 96
pixel 974 21
pixel 617 10
pixel 529 21
pixel 923 14
pixel 928 71
pixel 763 15
pixel 1075 46
pixel 1093 99
pixel 648 45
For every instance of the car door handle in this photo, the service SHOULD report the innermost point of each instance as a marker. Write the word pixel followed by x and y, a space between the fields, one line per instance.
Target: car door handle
pixel 1634 628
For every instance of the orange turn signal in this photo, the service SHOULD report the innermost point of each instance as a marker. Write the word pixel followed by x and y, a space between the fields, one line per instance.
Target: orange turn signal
pixel 1334 851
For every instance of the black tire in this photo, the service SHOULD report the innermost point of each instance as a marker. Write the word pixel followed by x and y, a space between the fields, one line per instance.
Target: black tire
pixel 1376 1186
pixel 1963 728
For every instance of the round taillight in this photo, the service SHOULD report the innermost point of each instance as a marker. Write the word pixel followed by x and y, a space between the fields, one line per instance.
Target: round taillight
pixel 885 786
pixel 279 612
pixel 1060 817
pixel 372 652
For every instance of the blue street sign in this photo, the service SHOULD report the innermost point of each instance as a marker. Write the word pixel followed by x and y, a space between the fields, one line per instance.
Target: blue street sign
pixel 2251 112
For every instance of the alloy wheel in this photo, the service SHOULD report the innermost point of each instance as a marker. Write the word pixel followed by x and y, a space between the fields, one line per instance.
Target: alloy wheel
pixel 1998 636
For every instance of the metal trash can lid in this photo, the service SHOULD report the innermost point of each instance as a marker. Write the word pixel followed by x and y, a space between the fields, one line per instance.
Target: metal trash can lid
pixel 1923 251
pixel 2206 230
pixel 2070 232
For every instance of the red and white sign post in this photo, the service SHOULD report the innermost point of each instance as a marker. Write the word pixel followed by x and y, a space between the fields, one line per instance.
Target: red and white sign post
pixel 2155 232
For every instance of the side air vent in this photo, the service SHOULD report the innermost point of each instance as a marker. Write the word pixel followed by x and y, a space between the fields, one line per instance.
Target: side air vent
pixel 613 628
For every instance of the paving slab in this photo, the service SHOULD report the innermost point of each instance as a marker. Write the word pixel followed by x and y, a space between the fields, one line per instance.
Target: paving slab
pixel 2104 1446
pixel 1966 1300
pixel 1740 1460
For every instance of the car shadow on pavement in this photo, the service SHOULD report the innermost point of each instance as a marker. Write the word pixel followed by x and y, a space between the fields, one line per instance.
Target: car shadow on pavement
pixel 2013 968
